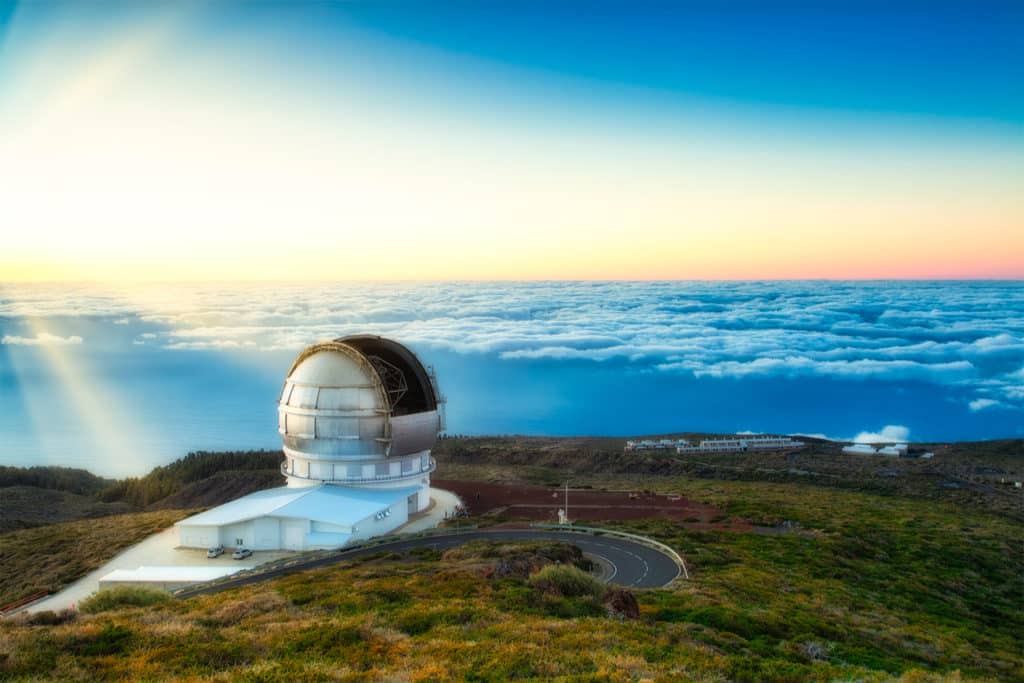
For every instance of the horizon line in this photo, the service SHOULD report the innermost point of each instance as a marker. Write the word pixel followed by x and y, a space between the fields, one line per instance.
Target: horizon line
pixel 183 281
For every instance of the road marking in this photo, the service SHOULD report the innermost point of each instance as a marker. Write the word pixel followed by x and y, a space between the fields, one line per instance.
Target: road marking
pixel 646 566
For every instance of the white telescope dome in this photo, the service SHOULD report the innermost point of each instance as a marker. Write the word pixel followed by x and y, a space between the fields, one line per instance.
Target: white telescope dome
pixel 358 411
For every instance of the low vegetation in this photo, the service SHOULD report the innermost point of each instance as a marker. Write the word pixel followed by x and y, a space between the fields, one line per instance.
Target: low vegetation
pixel 854 586
pixel 43 559
pixel 567 581
pixel 122 596
pixel 851 581
pixel 23 507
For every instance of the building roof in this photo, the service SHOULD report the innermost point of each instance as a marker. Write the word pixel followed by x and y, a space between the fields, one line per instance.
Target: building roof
pixel 172 574
pixel 332 504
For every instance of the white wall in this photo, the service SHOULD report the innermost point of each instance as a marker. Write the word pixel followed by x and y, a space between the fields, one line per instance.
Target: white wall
pixel 370 527
pixel 198 536
pixel 266 533
pixel 230 535
pixel 293 533
pixel 271 533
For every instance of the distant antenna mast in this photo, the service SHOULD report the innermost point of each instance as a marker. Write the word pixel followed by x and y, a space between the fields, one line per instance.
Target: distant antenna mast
pixel 566 501
pixel 563 512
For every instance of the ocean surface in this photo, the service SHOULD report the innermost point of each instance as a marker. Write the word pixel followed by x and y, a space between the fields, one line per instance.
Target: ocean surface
pixel 120 379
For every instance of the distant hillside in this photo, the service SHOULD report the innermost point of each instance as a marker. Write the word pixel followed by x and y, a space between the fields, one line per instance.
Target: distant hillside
pixel 36 496
pixel 219 488
pixel 81 482
pixel 152 489
pixel 23 507
pixel 978 473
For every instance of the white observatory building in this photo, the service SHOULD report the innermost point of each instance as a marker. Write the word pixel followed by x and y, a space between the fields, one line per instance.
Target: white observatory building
pixel 358 417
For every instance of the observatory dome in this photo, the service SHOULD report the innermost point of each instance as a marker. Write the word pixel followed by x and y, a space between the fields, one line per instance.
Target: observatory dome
pixel 358 411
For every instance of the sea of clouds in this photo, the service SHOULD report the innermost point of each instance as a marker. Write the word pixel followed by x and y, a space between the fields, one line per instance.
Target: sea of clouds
pixel 969 335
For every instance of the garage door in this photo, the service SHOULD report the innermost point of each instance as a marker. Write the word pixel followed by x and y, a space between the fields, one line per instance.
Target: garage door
pixel 294 536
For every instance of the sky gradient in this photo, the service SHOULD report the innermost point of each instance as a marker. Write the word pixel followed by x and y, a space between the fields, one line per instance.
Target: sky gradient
pixel 651 140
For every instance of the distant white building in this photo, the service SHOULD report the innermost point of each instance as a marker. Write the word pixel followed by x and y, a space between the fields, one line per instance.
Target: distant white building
pixel 859 449
pixel 750 443
pixel 357 417
pixel 652 445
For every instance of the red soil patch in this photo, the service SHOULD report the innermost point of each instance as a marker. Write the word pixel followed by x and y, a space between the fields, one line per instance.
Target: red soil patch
pixel 541 503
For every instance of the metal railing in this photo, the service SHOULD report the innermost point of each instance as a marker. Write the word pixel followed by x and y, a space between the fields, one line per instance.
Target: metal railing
pixel 668 550
pixel 431 466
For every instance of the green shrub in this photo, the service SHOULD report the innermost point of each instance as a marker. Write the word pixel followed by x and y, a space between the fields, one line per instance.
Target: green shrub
pixel 569 581
pixel 111 640
pixel 122 596
pixel 49 618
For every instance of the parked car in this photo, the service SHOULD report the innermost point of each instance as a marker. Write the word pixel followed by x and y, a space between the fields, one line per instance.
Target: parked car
pixel 215 551
pixel 241 553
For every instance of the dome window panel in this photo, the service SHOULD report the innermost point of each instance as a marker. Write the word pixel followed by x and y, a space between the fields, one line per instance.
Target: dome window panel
pixel 285 392
pixel 337 427
pixel 303 397
pixel 345 398
pixel 367 399
pixel 371 428
pixel 300 425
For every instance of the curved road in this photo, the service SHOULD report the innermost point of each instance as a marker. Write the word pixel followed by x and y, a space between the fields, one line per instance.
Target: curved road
pixel 632 564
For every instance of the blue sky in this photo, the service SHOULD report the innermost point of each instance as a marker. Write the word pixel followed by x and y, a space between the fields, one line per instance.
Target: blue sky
pixel 650 140
pixel 944 59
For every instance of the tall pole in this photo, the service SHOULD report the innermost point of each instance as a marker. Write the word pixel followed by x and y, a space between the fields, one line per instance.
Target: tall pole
pixel 566 501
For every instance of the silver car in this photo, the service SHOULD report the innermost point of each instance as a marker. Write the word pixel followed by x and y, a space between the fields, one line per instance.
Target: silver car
pixel 216 551
pixel 241 554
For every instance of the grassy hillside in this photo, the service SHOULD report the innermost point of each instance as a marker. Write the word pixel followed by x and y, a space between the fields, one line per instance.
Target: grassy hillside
pixel 22 507
pixel 847 577
pixel 858 586
pixel 47 557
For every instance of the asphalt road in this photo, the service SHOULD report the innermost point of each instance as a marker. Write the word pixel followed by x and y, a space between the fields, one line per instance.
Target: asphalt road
pixel 632 564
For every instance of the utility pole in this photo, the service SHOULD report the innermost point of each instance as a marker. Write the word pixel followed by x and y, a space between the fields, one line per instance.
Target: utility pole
pixel 567 501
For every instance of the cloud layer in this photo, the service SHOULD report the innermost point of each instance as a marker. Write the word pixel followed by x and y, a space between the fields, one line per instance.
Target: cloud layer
pixel 41 339
pixel 888 434
pixel 968 335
